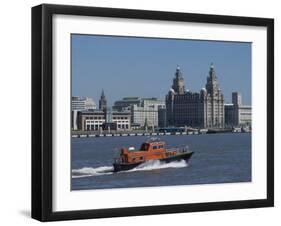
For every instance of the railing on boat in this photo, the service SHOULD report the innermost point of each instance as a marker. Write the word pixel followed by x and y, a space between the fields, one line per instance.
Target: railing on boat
pixel 178 149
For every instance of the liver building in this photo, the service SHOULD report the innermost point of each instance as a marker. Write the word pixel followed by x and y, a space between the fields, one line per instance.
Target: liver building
pixel 204 109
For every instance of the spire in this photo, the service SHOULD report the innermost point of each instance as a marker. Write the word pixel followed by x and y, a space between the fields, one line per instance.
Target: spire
pixel 102 101
pixel 102 93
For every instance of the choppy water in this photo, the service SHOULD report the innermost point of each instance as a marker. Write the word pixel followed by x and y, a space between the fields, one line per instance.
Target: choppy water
pixel 217 158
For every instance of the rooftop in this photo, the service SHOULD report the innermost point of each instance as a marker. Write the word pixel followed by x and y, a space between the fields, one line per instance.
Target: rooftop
pixel 97 111
pixel 131 98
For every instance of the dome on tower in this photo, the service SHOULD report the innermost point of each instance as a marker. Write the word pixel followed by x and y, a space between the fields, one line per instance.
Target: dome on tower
pixel 204 89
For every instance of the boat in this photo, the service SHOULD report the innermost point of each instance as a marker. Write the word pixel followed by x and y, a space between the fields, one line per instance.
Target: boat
pixel 153 149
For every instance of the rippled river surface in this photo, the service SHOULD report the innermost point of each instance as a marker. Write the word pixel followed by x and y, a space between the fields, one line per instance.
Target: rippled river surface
pixel 217 158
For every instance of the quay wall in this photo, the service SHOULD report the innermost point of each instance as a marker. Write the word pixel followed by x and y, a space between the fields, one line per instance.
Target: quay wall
pixel 84 134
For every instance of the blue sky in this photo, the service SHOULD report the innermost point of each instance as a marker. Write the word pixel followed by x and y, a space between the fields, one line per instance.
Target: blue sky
pixel 145 67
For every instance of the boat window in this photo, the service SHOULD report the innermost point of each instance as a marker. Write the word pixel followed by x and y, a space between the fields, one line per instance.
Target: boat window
pixel 161 146
pixel 144 147
pixel 141 158
pixel 154 147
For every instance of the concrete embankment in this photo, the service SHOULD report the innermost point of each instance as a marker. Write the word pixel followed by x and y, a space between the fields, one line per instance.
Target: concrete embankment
pixel 84 134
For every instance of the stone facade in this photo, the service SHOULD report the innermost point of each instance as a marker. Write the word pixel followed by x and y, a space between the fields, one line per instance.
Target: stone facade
pixel 143 110
pixel 95 119
pixel 162 116
pixel 147 114
pixel 80 104
pixel 204 109
pixel 237 114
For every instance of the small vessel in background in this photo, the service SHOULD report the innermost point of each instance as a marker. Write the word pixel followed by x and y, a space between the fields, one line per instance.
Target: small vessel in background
pixel 153 149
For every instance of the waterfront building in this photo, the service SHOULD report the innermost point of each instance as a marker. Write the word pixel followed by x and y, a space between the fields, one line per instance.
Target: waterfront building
pixel 146 102
pixel 80 104
pixel 102 102
pixel 144 111
pixel 126 102
pixel 237 114
pixel 245 115
pixel 236 98
pixel 145 116
pixel 204 109
pixel 162 116
pixel 96 120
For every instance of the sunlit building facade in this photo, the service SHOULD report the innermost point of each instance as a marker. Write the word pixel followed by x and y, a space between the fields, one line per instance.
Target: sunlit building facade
pixel 204 109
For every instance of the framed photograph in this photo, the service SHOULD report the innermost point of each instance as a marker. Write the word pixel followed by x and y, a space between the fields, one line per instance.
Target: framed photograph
pixel 145 112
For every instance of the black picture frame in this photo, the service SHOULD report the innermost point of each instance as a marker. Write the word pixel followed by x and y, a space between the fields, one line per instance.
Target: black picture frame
pixel 42 111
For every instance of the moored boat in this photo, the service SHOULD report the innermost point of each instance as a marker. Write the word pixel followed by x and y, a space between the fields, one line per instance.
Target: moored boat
pixel 153 149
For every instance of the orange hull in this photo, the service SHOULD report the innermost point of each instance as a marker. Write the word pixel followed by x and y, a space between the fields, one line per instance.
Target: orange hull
pixel 152 150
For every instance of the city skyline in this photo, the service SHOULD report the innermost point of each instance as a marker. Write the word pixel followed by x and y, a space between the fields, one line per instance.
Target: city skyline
pixel 145 67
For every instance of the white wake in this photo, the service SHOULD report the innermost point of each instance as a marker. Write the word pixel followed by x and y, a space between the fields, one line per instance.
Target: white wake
pixel 106 170
pixel 156 164
pixel 89 171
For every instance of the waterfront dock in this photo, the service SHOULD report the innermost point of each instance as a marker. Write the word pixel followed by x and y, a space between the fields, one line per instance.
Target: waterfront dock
pixel 89 134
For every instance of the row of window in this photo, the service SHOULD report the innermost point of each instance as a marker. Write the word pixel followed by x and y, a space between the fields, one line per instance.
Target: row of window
pixel 94 123
pixel 94 117
pixel 96 127
pixel 101 117
pixel 127 118
pixel 125 126
pixel 92 127
pixel 157 147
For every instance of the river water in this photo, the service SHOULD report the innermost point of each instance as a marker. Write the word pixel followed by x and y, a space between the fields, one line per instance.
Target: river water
pixel 217 158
